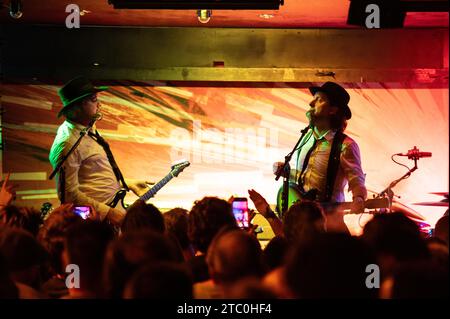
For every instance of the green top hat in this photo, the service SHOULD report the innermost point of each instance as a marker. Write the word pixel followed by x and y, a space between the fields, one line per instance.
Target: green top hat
pixel 75 90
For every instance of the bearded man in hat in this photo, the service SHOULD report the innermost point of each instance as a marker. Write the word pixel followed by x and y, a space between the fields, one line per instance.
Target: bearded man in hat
pixel 328 159
pixel 90 175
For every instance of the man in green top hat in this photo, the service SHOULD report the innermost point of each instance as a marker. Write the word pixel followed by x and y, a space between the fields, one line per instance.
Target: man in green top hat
pixel 90 175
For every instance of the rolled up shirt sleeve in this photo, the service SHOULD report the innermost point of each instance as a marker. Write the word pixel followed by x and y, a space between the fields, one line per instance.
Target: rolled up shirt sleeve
pixel 351 164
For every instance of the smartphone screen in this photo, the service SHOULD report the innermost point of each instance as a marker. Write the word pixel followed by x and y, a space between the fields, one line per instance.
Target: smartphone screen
pixel 83 211
pixel 240 211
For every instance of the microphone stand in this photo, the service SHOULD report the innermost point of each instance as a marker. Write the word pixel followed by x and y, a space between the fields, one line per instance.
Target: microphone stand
pixel 82 134
pixel 285 171
pixel 388 190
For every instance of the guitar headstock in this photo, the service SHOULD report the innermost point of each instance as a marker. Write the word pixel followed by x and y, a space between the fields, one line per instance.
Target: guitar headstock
pixel 46 208
pixel 177 168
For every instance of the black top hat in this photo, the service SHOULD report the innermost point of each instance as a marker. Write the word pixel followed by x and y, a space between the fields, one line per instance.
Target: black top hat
pixel 75 90
pixel 337 95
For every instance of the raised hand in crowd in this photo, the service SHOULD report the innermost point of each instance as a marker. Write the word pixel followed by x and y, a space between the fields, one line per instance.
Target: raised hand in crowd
pixel 7 193
pixel 263 207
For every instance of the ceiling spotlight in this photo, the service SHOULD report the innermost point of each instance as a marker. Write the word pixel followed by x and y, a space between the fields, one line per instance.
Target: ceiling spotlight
pixel 266 16
pixel 83 12
pixel 194 4
pixel 204 15
pixel 15 9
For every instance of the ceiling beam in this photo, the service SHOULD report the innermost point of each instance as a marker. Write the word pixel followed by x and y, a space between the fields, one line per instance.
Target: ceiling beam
pixel 191 54
pixel 198 4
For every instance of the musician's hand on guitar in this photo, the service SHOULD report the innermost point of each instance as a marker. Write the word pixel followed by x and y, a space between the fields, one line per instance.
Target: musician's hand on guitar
pixel 140 187
pixel 115 216
pixel 358 205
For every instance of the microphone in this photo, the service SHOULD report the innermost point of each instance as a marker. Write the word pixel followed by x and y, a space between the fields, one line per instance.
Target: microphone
pixel 97 117
pixel 415 153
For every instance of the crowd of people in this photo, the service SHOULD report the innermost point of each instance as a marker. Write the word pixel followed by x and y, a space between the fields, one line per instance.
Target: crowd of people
pixel 203 254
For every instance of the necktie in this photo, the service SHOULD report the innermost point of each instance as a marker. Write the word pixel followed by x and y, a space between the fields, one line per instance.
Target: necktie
pixel 102 142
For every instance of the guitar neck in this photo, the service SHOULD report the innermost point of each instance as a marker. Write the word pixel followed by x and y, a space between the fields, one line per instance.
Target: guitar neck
pixel 156 188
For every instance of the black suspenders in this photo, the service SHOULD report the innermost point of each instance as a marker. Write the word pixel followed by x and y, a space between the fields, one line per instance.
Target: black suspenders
pixel 333 164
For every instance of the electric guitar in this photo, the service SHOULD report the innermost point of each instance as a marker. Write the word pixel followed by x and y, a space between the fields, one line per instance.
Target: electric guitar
pixel 175 170
pixel 295 195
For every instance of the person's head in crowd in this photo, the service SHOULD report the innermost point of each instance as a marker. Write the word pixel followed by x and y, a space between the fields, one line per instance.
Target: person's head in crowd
pixel 234 254
pixel 394 238
pixel 438 250
pixel 130 251
pixel 85 246
pixel 206 218
pixel 25 218
pixel 249 288
pixel 276 280
pixel 176 222
pixel 143 216
pixel 441 229
pixel 330 265
pixel 303 220
pixel 52 235
pixel 164 280
pixel 416 280
pixel 24 256
pixel 8 290
pixel 275 252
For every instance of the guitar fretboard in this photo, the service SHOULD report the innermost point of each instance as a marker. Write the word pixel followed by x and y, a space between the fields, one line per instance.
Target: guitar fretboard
pixel 156 187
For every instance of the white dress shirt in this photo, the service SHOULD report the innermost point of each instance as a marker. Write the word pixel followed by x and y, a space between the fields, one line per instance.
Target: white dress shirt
pixel 89 177
pixel 315 174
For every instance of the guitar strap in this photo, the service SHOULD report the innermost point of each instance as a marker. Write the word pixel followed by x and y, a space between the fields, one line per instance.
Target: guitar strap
pixel 102 142
pixel 333 164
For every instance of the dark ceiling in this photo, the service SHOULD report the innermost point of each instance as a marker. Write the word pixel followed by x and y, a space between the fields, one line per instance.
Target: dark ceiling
pixel 293 14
